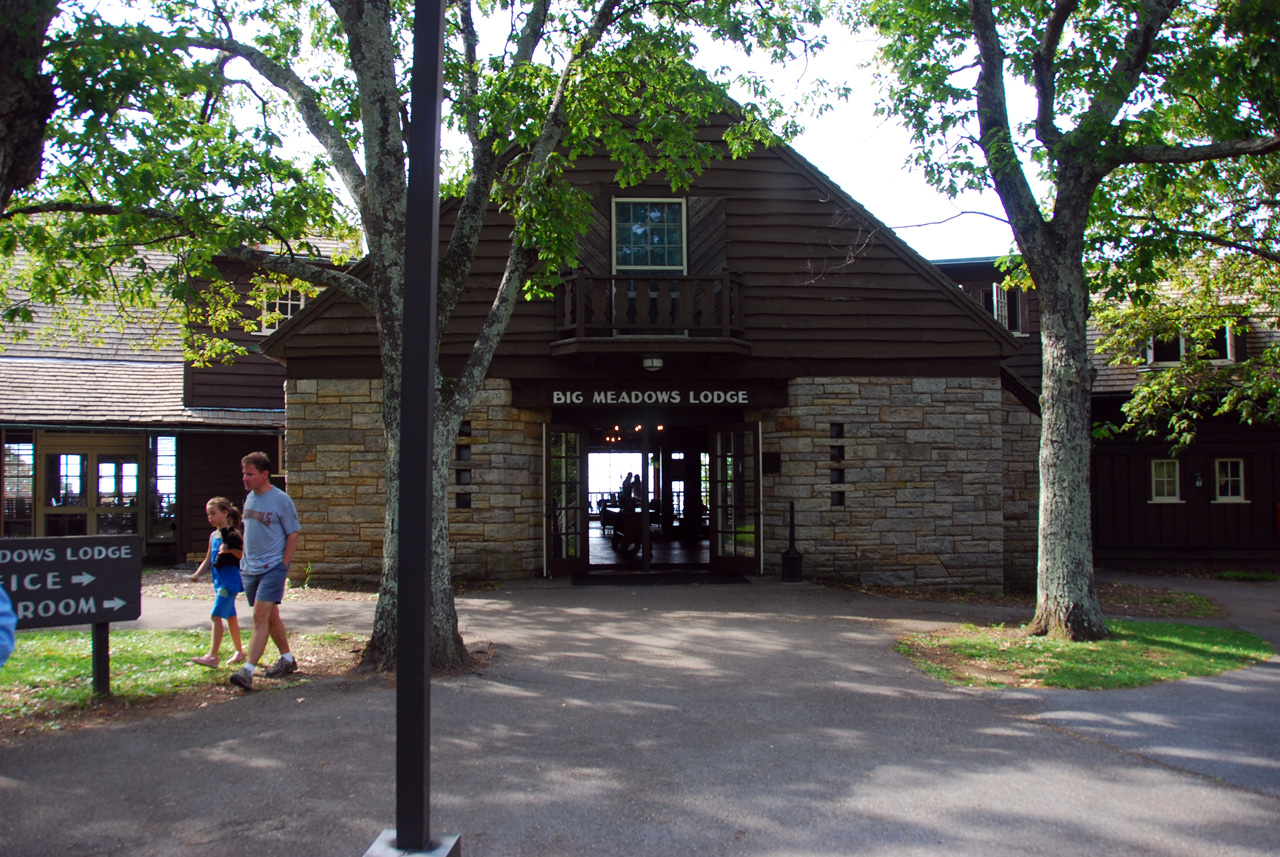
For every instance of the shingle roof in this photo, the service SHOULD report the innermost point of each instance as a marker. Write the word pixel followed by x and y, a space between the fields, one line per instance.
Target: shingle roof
pixel 1120 380
pixel 79 392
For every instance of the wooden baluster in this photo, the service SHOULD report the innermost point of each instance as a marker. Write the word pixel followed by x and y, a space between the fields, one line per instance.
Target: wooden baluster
pixel 665 320
pixel 644 303
pixel 726 306
pixel 580 286
pixel 684 305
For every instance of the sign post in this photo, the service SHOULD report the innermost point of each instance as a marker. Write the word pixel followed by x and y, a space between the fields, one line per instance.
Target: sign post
pixel 412 833
pixel 75 580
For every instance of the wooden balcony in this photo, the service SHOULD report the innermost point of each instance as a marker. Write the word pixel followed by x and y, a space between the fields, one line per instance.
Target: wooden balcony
pixel 632 314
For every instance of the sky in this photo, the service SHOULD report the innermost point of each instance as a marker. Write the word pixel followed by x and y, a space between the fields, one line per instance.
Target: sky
pixel 866 156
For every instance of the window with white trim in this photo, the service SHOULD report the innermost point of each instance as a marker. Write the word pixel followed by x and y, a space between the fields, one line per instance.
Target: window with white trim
pixel 276 312
pixel 649 236
pixel 1229 484
pixel 1171 350
pixel 1164 481
pixel 1005 305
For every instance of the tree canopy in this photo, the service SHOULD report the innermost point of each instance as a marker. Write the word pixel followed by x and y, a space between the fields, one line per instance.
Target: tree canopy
pixel 1086 118
pixel 190 132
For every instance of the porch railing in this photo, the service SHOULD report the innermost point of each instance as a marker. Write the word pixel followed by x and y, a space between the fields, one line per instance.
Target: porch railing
pixel 646 305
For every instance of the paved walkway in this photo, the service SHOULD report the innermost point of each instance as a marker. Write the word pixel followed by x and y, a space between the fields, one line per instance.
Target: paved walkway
pixel 770 719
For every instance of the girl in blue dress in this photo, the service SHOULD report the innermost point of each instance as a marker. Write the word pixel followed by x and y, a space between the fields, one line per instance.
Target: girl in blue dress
pixel 226 547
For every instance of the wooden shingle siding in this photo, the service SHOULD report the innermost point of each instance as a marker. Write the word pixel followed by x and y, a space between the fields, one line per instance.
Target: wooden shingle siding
pixel 823 282
pixel 209 466
pixel 251 382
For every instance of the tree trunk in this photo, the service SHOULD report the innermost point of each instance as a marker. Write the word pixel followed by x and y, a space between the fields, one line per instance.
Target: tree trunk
pixel 1066 598
pixel 447 650
pixel 27 99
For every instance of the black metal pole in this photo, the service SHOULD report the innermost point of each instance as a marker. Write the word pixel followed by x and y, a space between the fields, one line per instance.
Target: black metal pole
pixel 101 658
pixel 417 431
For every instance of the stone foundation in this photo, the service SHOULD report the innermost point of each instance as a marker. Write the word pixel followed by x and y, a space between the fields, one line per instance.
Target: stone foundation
pixel 337 478
pixel 896 481
pixel 500 536
pixel 921 482
pixel 1021 495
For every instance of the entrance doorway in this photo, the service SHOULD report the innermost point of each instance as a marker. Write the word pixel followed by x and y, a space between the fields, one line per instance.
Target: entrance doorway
pixel 692 501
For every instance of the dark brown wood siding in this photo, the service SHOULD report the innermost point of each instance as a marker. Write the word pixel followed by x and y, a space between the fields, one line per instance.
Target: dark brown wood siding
pixel 209 466
pixel 826 289
pixel 1128 526
pixel 251 382
pixel 975 278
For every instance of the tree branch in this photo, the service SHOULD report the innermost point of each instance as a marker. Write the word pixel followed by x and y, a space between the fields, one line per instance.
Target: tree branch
pixel 1196 154
pixel 1098 122
pixel 307 103
pixel 1044 72
pixel 455 264
pixel 1251 248
pixel 95 208
pixel 995 133
pixel 291 266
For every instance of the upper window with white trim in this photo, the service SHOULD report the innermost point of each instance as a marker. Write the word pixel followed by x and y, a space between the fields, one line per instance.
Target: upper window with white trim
pixel 1170 350
pixel 279 310
pixel 1005 305
pixel 1164 481
pixel 1229 484
pixel 649 235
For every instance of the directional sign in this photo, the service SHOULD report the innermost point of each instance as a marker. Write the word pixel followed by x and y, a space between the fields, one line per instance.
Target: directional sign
pixel 75 580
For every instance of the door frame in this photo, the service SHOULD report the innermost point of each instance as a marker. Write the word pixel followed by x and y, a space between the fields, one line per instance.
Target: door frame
pixel 735 563
pixel 554 565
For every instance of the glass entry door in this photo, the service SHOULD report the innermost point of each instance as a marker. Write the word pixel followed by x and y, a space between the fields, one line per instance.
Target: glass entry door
pixel 90 486
pixel 565 481
pixel 735 499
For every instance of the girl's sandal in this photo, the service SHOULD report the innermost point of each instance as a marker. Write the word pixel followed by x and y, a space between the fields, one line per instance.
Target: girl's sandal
pixel 206 661
pixel 237 658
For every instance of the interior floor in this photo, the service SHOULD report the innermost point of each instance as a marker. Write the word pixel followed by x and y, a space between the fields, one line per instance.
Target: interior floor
pixel 667 553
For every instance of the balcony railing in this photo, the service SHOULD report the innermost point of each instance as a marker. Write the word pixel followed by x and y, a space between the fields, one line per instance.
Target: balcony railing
pixel 589 306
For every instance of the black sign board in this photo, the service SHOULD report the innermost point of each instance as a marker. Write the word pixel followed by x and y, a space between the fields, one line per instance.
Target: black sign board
pixel 73 580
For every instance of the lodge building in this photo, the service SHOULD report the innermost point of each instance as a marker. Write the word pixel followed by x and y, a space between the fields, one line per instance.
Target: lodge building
pixel 761 339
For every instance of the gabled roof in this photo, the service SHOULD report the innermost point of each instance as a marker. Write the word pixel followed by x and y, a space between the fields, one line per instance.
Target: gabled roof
pixel 919 264
pixel 275 345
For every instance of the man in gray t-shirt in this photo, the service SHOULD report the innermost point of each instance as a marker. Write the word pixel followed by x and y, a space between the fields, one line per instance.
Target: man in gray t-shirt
pixel 271 531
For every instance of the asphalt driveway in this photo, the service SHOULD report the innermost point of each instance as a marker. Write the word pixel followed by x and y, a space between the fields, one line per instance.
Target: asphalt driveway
pixel 770 719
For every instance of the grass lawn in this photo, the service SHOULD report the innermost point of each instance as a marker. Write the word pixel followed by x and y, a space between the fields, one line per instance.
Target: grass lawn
pixel 1136 654
pixel 48 682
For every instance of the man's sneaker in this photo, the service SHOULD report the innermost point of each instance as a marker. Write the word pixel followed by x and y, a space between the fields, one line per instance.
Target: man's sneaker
pixel 282 668
pixel 242 678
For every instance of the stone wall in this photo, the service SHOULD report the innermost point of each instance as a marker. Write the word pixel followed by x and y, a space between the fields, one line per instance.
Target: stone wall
pixel 937 477
pixel 337 477
pixel 500 535
pixel 1021 495
pixel 907 489
pixel 336 470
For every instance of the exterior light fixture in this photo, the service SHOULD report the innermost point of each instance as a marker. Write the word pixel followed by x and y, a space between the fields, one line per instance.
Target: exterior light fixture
pixel 652 363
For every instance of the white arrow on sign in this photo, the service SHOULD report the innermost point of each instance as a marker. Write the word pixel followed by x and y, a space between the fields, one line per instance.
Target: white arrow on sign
pixel 83 579
pixel 114 603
